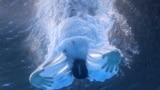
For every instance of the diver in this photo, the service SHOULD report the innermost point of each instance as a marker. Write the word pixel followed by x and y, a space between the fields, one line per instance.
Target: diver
pixel 81 65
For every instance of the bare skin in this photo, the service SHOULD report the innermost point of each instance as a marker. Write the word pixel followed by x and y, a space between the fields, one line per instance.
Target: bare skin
pixel 40 81
pixel 113 59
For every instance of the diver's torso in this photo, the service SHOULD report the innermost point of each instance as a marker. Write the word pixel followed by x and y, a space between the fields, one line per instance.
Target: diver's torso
pixel 76 26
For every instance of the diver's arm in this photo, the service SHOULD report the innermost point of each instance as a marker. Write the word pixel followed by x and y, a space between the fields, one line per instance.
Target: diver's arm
pixel 107 59
pixel 39 81
pixel 113 59
pixel 103 66
pixel 36 78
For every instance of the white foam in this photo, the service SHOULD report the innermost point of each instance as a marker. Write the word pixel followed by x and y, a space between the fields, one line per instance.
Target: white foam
pixel 94 25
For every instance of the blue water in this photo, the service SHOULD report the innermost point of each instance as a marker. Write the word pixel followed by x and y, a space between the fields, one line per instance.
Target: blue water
pixel 27 37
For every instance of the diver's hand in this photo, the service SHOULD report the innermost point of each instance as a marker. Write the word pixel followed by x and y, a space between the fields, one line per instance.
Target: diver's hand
pixel 113 59
pixel 40 81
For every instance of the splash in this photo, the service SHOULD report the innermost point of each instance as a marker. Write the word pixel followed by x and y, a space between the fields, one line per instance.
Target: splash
pixel 51 13
pixel 99 20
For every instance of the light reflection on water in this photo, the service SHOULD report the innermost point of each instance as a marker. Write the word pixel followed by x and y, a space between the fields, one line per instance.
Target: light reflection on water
pixel 40 19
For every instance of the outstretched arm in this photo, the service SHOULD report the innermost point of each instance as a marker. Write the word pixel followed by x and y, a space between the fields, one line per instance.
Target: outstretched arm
pixel 113 59
pixel 39 81
pixel 103 65
pixel 44 82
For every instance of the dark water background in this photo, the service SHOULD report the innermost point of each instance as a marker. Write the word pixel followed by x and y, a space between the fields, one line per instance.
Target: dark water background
pixel 144 19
